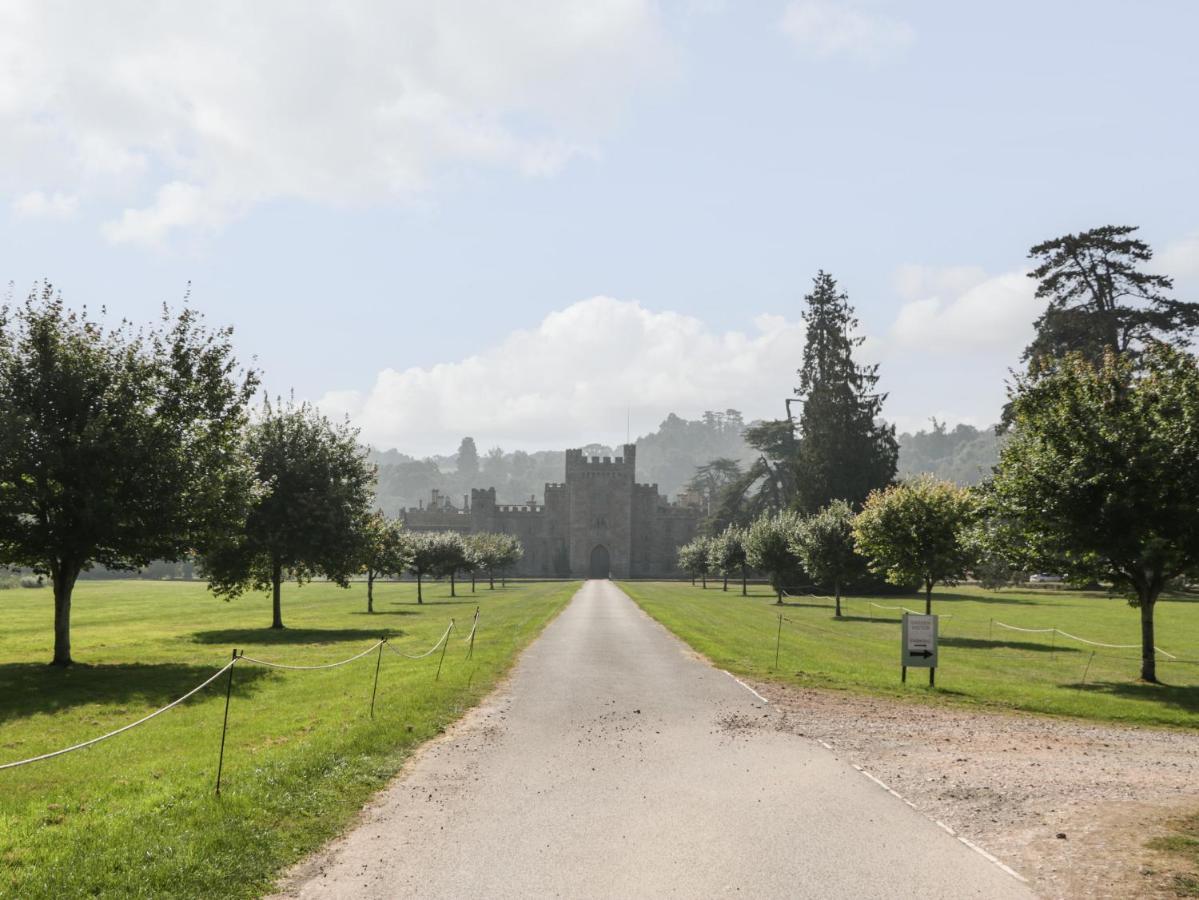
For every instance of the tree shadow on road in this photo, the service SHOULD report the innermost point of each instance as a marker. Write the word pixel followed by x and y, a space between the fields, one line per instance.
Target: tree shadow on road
pixel 28 689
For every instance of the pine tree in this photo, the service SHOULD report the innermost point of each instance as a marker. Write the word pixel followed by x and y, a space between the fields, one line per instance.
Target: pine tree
pixel 843 451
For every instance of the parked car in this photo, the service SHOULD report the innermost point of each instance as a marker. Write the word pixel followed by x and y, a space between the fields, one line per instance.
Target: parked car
pixel 1044 578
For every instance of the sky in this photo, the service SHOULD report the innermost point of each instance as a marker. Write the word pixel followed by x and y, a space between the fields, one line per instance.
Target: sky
pixel 541 223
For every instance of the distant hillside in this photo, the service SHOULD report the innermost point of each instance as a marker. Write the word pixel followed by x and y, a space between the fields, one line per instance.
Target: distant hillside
pixel 667 457
pixel 964 455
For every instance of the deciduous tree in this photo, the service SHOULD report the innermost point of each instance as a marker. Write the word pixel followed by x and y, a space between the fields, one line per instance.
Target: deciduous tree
pixel 314 490
pixel 727 555
pixel 916 531
pixel 1099 478
pixel 769 543
pixel 385 551
pixel 117 446
pixel 825 545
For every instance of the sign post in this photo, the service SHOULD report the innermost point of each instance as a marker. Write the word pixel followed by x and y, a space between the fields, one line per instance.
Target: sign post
pixel 918 647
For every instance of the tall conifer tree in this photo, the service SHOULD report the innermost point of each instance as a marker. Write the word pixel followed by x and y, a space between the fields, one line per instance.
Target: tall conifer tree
pixel 843 452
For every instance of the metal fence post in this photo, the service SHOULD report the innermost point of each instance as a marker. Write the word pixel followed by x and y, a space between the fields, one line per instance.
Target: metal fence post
pixel 444 647
pixel 225 727
pixel 378 664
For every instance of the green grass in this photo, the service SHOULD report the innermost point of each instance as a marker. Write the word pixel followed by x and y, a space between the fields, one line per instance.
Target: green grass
pixel 136 816
pixel 980 663
pixel 1183 845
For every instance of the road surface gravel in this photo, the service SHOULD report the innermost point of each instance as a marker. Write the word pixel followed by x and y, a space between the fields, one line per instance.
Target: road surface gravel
pixel 615 763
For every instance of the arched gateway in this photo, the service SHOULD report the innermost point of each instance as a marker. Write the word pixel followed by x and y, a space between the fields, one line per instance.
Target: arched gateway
pixel 600 563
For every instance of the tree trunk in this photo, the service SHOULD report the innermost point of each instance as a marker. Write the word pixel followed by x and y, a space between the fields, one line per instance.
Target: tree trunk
pixel 472 582
pixel 744 578
pixel 1148 653
pixel 453 589
pixel 693 580
pixel 928 598
pixel 837 591
pixel 62 575
pixel 726 581
pixel 703 577
pixel 276 604
pixel 491 579
pixel 778 589
pixel 419 598
pixel 370 591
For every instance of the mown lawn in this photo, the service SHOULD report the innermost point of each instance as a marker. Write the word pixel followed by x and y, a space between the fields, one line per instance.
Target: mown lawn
pixel 136 816
pixel 980 661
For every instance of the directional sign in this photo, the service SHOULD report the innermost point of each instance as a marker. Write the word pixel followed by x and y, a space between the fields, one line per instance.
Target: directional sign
pixel 919 647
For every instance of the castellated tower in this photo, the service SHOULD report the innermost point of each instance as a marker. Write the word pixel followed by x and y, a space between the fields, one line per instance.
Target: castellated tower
pixel 599 494
pixel 596 523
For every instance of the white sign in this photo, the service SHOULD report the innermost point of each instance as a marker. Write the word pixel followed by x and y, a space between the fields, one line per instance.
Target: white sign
pixel 919 647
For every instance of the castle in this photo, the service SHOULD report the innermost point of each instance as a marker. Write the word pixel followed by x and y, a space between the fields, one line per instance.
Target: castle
pixel 598 523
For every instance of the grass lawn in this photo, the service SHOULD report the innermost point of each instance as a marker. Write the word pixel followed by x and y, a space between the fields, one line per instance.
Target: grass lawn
pixel 1183 844
pixel 980 662
pixel 136 816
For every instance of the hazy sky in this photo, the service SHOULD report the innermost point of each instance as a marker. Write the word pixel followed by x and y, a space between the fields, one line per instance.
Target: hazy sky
pixel 518 220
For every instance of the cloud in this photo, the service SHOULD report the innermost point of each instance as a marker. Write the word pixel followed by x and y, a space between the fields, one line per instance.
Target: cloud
pixel 963 310
pixel 188 115
pixel 1180 259
pixel 38 205
pixel 575 376
pixel 823 29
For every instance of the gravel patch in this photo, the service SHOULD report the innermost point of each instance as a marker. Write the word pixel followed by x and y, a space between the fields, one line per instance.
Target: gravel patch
pixel 1068 804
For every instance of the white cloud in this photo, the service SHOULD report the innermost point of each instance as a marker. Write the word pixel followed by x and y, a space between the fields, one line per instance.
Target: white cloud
pixel 824 29
pixel 1180 259
pixel 573 377
pixel 189 114
pixel 962 310
pixel 38 205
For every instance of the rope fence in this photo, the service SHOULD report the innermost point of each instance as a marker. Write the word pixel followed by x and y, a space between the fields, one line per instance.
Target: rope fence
pixel 442 644
pixel 1081 640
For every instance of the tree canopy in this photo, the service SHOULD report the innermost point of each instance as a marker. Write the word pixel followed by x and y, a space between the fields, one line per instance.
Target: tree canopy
pixel 117 446
pixel 1099 478
pixel 916 531
pixel 844 452
pixel 769 548
pixel 314 489
pixel 385 551
pixel 1099 299
pixel 825 545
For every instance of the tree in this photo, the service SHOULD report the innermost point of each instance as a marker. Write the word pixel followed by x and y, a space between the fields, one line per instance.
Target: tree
pixel 451 557
pixel 693 558
pixel 385 551
pixel 468 458
pixel 1099 300
pixel 916 531
pixel 825 545
pixel 511 552
pixel 710 480
pixel 844 452
pixel 117 446
pixel 768 548
pixel 727 555
pixel 424 558
pixel 1099 477
pixel 311 508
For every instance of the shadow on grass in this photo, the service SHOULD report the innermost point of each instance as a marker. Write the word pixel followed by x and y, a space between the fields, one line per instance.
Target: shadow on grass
pixel 449 601
pixel 386 612
pixel 1184 698
pixel 883 619
pixel 27 689
pixel 1002 599
pixel 999 644
pixel 237 637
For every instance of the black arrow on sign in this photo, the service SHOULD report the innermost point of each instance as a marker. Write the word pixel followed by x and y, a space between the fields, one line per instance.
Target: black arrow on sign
pixel 925 653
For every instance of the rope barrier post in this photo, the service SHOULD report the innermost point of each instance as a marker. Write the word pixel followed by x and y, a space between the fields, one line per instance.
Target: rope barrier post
pixel 470 651
pixel 1088 668
pixel 778 640
pixel 220 765
pixel 444 645
pixel 378 665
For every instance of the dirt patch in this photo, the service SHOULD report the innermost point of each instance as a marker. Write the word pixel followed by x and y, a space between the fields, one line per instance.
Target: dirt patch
pixel 1069 805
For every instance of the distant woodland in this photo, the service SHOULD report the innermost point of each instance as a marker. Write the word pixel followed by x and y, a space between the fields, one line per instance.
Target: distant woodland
pixel 668 457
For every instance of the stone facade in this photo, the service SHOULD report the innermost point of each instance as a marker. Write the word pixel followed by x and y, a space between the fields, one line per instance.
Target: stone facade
pixel 597 522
